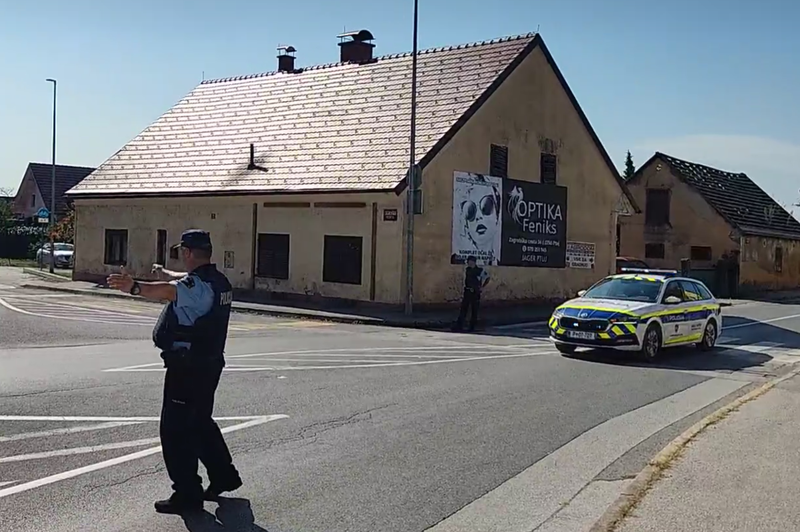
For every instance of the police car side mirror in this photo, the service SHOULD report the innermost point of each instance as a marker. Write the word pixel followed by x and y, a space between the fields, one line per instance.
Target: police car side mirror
pixel 672 300
pixel 581 293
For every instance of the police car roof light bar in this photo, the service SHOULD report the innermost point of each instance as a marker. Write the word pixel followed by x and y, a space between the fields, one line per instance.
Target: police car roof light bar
pixel 665 273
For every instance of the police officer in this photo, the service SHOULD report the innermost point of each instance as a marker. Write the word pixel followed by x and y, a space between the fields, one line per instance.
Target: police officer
pixel 191 333
pixel 475 280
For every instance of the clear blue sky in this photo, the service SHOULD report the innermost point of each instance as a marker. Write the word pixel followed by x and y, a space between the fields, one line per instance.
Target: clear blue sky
pixel 714 81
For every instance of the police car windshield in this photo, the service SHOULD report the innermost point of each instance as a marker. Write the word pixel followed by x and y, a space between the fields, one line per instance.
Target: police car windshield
pixel 629 289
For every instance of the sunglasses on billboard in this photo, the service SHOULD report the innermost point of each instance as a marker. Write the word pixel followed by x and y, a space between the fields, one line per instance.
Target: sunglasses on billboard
pixel 486 204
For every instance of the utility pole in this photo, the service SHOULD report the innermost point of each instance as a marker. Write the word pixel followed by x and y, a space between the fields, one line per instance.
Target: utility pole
pixel 411 189
pixel 53 186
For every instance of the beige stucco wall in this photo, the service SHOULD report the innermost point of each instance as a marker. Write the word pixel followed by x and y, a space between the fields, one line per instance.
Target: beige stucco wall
pixel 688 212
pixel 230 222
pixel 757 264
pixel 22 201
pixel 529 113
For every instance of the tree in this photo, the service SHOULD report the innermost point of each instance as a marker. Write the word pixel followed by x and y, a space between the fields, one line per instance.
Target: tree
pixel 64 230
pixel 630 169
pixel 6 213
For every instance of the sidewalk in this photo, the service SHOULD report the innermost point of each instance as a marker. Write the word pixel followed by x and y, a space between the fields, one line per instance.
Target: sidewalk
pixel 739 475
pixel 424 319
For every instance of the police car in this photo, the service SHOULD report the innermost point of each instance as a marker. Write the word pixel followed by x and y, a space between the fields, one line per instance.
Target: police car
pixel 638 310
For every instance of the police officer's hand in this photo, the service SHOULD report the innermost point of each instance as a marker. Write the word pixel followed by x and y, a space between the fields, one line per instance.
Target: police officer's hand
pixel 121 281
pixel 157 269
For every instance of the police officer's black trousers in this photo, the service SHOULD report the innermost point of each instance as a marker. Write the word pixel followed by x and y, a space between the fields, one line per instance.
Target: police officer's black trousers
pixel 470 302
pixel 189 433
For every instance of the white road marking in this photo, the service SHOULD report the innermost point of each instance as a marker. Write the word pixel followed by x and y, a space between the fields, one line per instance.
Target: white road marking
pixel 233 367
pixel 527 325
pixel 67 430
pixel 5 492
pixel 79 450
pixel 468 347
pixel 6 483
pixel 6 287
pixel 128 319
pixel 761 322
pixel 111 419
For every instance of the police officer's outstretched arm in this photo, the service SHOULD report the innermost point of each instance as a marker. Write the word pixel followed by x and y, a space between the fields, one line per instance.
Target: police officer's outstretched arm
pixel 158 290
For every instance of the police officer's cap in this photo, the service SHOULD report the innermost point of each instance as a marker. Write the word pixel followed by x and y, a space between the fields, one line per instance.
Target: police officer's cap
pixel 194 239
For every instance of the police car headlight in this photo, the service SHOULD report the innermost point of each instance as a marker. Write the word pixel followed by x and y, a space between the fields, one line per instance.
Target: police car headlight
pixel 559 312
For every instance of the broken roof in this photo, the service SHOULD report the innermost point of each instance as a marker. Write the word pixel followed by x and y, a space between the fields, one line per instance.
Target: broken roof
pixel 736 197
pixel 335 127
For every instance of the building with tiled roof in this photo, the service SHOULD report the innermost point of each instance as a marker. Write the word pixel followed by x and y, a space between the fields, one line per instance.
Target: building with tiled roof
pixel 299 174
pixel 693 211
pixel 35 189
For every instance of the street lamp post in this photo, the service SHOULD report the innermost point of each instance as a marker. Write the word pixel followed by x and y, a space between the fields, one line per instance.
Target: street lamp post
pixel 53 186
pixel 411 191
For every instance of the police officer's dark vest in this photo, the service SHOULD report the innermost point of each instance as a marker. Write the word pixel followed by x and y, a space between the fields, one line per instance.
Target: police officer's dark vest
pixel 208 334
pixel 472 279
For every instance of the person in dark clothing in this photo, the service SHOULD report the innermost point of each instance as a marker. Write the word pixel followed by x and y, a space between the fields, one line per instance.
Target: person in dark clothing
pixel 475 280
pixel 191 333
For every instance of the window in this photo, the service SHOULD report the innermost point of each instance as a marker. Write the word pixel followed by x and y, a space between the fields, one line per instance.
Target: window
pixel 657 207
pixel 673 290
pixel 654 251
pixel 700 253
pixel 116 248
pixel 33 200
pixel 630 289
pixel 779 259
pixel 703 291
pixel 498 161
pixel 273 256
pixel 691 291
pixel 342 259
pixel 547 168
pixel 161 247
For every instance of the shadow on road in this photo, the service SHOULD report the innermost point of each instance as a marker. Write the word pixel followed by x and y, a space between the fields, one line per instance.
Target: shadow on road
pixel 745 345
pixel 233 515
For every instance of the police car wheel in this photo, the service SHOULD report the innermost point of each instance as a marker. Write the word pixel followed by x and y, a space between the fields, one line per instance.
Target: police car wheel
pixel 709 337
pixel 565 349
pixel 651 343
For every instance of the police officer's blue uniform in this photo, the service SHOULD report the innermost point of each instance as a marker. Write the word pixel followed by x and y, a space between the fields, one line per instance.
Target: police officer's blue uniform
pixel 191 333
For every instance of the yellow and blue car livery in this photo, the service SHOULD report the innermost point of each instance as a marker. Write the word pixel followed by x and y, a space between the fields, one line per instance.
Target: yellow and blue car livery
pixel 621 322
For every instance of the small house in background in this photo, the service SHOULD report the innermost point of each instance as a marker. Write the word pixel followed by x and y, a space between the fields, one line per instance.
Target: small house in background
pixel 737 237
pixel 35 189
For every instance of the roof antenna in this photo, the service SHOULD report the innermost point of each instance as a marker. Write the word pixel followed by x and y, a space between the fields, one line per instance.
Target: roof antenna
pixel 203 75
pixel 537 28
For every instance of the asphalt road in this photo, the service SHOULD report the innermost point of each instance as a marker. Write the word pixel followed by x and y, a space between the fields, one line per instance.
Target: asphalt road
pixel 349 428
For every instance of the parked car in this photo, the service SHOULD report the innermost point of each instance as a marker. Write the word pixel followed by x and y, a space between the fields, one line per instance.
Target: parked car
pixel 631 262
pixel 64 255
pixel 640 311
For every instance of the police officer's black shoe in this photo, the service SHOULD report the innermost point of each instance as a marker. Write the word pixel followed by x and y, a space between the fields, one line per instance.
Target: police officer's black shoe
pixel 178 505
pixel 213 492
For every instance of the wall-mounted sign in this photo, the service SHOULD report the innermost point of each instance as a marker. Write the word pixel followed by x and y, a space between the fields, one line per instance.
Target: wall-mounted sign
pixel 228 262
pixel 389 215
pixel 506 222
pixel 580 255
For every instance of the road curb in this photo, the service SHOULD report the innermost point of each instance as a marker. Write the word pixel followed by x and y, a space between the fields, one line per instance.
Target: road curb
pixel 243 307
pixel 46 275
pixel 647 477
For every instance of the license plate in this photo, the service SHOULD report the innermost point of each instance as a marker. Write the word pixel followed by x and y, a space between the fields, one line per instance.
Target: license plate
pixel 581 335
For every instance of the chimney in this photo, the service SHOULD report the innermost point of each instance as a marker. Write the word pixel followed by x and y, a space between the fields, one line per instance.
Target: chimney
pixel 355 47
pixel 286 58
